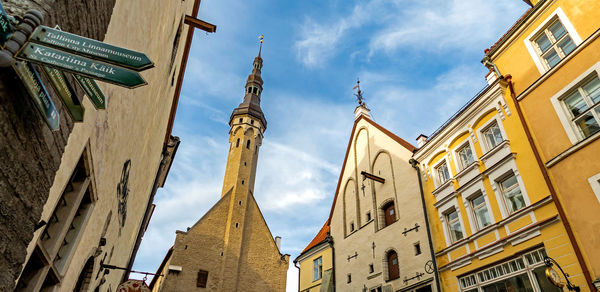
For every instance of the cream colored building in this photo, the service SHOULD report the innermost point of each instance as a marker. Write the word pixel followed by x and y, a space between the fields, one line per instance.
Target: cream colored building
pixel 377 219
pixel 114 160
pixel 231 248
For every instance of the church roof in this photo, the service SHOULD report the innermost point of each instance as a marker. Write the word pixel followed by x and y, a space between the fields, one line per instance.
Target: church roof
pixel 320 237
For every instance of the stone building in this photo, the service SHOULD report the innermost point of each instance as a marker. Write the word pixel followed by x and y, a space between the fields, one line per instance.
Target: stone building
pixel 231 248
pixel 377 220
pixel 78 198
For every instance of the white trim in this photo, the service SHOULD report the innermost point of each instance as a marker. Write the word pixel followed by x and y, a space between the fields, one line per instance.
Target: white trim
pixel 436 179
pixel 566 24
pixel 562 112
pixel 496 174
pixel 467 196
pixel 595 184
pixel 457 162
pixel 443 211
pixel 482 141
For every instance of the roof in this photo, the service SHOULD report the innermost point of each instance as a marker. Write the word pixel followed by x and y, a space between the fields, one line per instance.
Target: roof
pixel 508 33
pixel 320 237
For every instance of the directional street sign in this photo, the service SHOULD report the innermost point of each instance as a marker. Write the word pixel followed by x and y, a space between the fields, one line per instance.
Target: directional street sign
pixel 66 92
pixel 92 48
pixel 5 28
pixel 92 90
pixel 80 65
pixel 37 90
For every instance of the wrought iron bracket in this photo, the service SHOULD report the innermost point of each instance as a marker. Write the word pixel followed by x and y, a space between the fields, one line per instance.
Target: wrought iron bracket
pixel 416 229
pixel 416 276
pixel 549 262
pixel 355 255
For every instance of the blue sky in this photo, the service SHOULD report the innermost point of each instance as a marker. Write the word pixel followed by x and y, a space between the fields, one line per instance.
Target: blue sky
pixel 418 62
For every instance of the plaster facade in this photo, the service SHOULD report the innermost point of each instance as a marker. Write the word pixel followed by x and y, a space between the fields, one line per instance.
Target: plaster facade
pixel 100 191
pixel 363 241
pixel 567 151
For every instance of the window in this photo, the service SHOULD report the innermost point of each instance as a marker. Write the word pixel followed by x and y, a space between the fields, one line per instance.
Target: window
pixel 389 213
pixel 60 236
pixel 251 122
pixel 371 269
pixel 480 211
pixel 393 268
pixel 417 248
pixel 378 289
pixel 318 269
pixel 553 44
pixel 202 279
pixel 442 172
pixel 368 216
pixel 349 278
pixel 465 156
pixel 237 143
pixel 454 228
pixel 241 120
pixel 351 226
pixel 512 194
pixel 248 144
pixel 583 106
pixel 492 136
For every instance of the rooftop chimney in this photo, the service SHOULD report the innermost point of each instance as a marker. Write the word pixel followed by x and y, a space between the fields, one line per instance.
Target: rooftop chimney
pixel 421 140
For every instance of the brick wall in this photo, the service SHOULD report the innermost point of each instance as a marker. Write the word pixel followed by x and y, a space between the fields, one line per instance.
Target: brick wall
pixel 30 153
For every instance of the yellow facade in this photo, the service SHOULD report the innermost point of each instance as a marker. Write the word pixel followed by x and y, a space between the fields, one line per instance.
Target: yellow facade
pixel 310 281
pixel 569 153
pixel 502 183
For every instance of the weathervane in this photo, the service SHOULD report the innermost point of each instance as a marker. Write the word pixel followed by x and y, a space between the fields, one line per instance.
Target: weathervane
pixel 261 37
pixel 359 93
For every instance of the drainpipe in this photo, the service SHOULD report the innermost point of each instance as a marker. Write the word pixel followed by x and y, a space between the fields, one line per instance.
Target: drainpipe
pixel 296 265
pixel 550 186
pixel 414 164
pixel 330 240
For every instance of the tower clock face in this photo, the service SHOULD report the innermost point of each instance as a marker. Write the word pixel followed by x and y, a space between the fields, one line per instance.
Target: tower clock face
pixel 554 277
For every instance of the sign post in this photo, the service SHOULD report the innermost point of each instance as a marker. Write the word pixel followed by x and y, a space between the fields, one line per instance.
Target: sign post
pixel 34 86
pixel 5 28
pixel 81 65
pixel 91 48
pixel 92 90
pixel 66 92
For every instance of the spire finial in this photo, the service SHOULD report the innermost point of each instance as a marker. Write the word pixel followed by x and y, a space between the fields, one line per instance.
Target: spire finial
pixel 359 93
pixel 261 37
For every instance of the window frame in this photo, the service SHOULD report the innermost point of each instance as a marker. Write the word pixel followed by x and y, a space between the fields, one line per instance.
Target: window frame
pixel 477 225
pixel 442 163
pixel 457 157
pixel 484 137
pixel 318 268
pixel 449 222
pixel 530 44
pixel 562 110
pixel 545 31
pixel 593 108
pixel 595 184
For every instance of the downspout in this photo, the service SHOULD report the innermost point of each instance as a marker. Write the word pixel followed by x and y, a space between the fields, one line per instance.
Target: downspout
pixel 414 164
pixel 330 240
pixel 558 204
pixel 296 265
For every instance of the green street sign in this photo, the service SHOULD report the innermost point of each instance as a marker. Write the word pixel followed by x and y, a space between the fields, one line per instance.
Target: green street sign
pixel 67 94
pixel 93 91
pixel 92 48
pixel 80 65
pixel 34 86
pixel 5 28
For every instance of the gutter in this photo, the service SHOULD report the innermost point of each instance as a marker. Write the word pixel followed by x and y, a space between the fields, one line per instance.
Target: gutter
pixel 295 265
pixel 414 164
pixel 550 186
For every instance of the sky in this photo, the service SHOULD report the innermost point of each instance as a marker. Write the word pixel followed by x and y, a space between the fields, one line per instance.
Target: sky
pixel 418 62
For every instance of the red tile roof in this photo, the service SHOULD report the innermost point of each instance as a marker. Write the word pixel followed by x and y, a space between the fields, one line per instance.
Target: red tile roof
pixel 508 32
pixel 322 235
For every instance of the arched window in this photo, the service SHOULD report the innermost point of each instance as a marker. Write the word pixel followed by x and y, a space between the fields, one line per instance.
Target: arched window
pixel 248 144
pixel 237 144
pixel 389 213
pixel 393 267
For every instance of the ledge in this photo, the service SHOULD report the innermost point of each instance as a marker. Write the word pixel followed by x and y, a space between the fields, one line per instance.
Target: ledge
pixel 468 173
pixel 491 157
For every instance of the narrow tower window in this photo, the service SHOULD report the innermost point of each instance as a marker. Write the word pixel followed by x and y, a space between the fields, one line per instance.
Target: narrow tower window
pixel 248 144
pixel 237 144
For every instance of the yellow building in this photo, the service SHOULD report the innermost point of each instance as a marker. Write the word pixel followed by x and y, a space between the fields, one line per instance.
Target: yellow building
pixel 493 217
pixel 315 263
pixel 551 58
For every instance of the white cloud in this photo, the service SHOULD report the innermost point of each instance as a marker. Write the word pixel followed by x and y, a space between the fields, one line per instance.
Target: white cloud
pixel 433 26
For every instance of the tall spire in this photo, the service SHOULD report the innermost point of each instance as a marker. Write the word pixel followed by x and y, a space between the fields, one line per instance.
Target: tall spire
pixel 252 92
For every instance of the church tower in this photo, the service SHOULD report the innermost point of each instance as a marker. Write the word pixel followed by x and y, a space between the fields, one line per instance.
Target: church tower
pixel 247 124
pixel 231 247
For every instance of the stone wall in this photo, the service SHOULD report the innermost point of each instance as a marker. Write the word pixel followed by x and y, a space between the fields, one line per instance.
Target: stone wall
pixel 30 153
